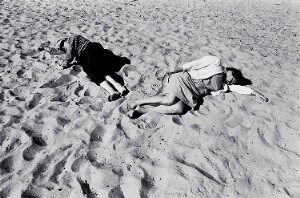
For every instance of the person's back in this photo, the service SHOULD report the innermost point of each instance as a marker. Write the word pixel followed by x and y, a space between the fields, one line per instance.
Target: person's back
pixel 75 47
pixel 98 63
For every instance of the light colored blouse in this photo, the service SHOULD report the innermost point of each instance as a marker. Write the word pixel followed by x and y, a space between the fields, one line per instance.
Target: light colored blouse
pixel 204 67
pixel 235 88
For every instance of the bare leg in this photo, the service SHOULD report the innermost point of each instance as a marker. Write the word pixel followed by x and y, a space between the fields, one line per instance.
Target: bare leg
pixel 166 99
pixel 117 85
pixel 175 109
pixel 113 94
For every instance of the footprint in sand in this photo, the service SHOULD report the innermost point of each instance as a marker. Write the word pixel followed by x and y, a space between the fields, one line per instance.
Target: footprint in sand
pixel 78 90
pixel 3 136
pixel 27 53
pixel 34 101
pixel 7 165
pixel 86 190
pixel 14 119
pixel 32 192
pixel 116 193
pixel 147 124
pixel 75 167
pixel 60 97
pixel 62 80
pixel 6 192
pixel 97 134
pixel 98 106
pixel 196 127
pixel 38 143
pixel 177 121
pixel 62 120
pixel 75 70
pixel 58 169
pixel 40 169
pixel 96 137
pixel 2 96
pixel 30 152
pixel 147 184
pixel 36 136
pixel 20 73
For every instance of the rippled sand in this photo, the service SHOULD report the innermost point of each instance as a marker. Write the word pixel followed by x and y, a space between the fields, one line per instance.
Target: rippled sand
pixel 60 137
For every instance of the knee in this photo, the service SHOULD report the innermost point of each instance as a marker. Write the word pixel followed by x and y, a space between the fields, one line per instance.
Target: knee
pixel 180 108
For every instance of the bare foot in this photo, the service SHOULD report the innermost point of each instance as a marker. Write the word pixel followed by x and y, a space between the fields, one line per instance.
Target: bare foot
pixel 136 113
pixel 134 104
pixel 114 96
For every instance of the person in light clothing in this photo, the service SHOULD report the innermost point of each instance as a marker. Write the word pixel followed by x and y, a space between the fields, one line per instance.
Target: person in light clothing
pixel 186 85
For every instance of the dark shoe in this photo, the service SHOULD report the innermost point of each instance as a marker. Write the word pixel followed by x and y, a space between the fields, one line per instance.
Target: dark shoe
pixel 114 96
pixel 125 92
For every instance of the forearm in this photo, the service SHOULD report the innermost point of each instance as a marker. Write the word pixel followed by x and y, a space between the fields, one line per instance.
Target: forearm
pixel 218 92
pixel 67 62
pixel 241 89
pixel 176 70
pixel 248 91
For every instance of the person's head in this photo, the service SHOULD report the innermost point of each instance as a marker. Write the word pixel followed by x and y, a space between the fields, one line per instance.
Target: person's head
pixel 62 44
pixel 235 77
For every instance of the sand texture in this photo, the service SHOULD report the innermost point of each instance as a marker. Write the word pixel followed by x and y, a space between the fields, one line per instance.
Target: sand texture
pixel 60 137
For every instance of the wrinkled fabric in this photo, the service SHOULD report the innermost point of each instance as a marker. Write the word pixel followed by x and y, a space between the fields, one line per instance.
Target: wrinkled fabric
pixel 214 83
pixel 181 85
pixel 77 46
pixel 188 90
pixel 204 67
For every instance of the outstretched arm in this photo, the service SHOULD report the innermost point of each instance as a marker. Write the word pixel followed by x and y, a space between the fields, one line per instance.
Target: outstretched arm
pixel 247 91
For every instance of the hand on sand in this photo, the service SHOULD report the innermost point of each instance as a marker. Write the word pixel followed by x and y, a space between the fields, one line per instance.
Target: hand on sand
pixel 261 98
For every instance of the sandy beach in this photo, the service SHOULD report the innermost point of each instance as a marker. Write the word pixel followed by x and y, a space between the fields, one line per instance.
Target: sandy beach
pixel 60 137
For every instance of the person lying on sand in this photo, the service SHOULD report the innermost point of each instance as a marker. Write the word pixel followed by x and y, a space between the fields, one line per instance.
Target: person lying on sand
pixel 94 60
pixel 193 80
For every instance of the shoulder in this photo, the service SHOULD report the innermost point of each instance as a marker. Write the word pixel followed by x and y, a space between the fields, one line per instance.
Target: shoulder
pixel 76 37
pixel 218 77
pixel 211 59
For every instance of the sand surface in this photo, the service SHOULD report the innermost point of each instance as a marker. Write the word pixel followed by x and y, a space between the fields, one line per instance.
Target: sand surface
pixel 60 137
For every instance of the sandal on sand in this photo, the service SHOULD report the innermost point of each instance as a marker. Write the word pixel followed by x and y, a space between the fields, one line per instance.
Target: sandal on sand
pixel 114 96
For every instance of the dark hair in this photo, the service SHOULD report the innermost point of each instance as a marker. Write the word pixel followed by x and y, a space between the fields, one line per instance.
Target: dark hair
pixel 61 44
pixel 240 79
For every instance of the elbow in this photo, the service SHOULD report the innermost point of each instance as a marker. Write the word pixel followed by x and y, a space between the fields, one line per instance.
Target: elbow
pixel 216 88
